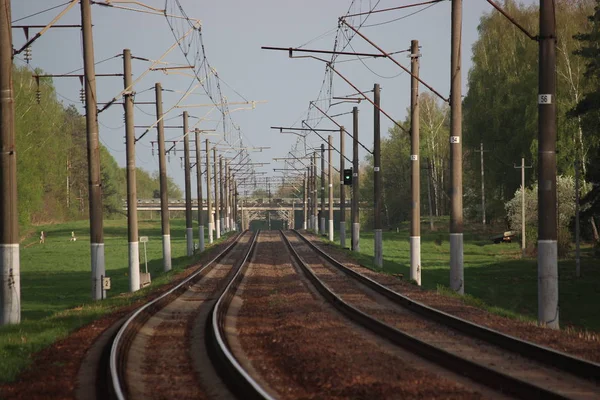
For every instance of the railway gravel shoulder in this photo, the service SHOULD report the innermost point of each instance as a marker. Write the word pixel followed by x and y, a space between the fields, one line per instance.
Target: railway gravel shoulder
pixel 305 349
pixel 578 344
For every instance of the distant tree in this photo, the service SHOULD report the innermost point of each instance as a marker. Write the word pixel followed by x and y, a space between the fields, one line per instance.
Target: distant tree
pixel 587 110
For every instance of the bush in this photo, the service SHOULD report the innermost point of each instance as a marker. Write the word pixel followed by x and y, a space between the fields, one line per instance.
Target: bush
pixel 566 211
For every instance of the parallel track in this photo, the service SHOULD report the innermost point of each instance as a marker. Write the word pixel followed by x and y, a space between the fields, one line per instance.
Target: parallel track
pixel 230 372
pixel 481 373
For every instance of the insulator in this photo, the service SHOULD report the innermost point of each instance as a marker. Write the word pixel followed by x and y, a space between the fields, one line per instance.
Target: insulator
pixel 152 150
pixel 38 96
pixel 168 157
pixel 82 95
pixel 28 54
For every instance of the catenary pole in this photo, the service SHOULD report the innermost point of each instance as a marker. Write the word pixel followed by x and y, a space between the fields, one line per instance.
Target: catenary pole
pixel 217 203
pixel 342 191
pixel 523 238
pixel 164 195
pixel 322 213
pixel 305 198
pixel 132 218
pixel 209 205
pixel 10 275
pixel 189 228
pixel 577 228
pixel 378 232
pixel 93 153
pixel 199 191
pixel 548 313
pixel 221 194
pixel 415 165
pixel 314 191
pixel 355 183
pixel 330 186
pixel 457 281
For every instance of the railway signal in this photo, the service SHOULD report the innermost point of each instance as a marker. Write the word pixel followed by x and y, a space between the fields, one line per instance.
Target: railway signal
pixel 348 176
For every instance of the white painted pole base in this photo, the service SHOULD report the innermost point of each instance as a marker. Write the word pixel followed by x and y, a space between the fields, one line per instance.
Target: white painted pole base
pixel 343 234
pixel 218 229
pixel 134 266
pixel 356 237
pixel 457 276
pixel 10 291
pixel 222 226
pixel 378 248
pixel 201 238
pixel 304 224
pixel 98 271
pixel 415 259
pixel 331 230
pixel 189 235
pixel 210 232
pixel 167 252
pixel 548 283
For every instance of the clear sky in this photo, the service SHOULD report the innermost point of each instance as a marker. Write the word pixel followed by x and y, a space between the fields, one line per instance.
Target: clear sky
pixel 233 32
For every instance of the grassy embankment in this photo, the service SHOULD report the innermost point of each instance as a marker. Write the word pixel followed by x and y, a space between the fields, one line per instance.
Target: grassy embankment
pixel 56 283
pixel 496 276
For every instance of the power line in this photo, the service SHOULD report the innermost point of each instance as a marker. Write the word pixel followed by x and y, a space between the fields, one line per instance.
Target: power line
pixel 41 12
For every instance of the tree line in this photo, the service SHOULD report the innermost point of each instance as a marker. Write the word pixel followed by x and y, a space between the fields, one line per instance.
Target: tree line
pixel 52 167
pixel 501 112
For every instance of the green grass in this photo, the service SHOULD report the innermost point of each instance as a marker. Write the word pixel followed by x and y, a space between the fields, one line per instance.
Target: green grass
pixel 497 278
pixel 56 283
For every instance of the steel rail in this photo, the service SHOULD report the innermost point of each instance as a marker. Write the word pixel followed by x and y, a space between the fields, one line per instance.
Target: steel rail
pixel 116 356
pixel 246 386
pixel 478 372
pixel 550 357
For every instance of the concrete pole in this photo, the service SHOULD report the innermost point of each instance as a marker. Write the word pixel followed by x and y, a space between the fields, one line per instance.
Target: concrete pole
pixel 330 185
pixel 221 195
pixel 355 183
pixel 217 203
pixel 164 196
pixel 342 191
pixel 378 233
pixel 322 213
pixel 10 275
pixel 93 153
pixel 482 186
pixel 132 218
pixel 547 212
pixel 201 245
pixel 309 195
pixel 224 195
pixel 305 214
pixel 415 164
pixel 457 281
pixel 314 192
pixel 523 242
pixel 189 227
pixel 577 234
pixel 209 205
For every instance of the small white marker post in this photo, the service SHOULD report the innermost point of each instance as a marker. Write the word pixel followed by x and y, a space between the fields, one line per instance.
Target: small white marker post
pixel 145 278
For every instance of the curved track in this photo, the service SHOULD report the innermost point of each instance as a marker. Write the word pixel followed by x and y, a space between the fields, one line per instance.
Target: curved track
pixel 172 346
pixel 506 364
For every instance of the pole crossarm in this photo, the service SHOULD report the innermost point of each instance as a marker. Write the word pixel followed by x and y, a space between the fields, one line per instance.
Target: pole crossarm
pixel 46 27
pixel 339 126
pixel 281 128
pixel 319 135
pixel 447 100
pixel 290 50
pixel 391 9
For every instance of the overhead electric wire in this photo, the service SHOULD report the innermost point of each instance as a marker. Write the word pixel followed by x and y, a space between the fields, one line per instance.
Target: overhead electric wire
pixel 41 12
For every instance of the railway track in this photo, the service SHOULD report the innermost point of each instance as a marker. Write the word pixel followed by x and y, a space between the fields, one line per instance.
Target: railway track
pixel 505 364
pixel 175 346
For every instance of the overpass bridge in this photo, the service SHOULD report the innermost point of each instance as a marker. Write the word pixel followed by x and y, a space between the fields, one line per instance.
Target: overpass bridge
pixel 285 209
